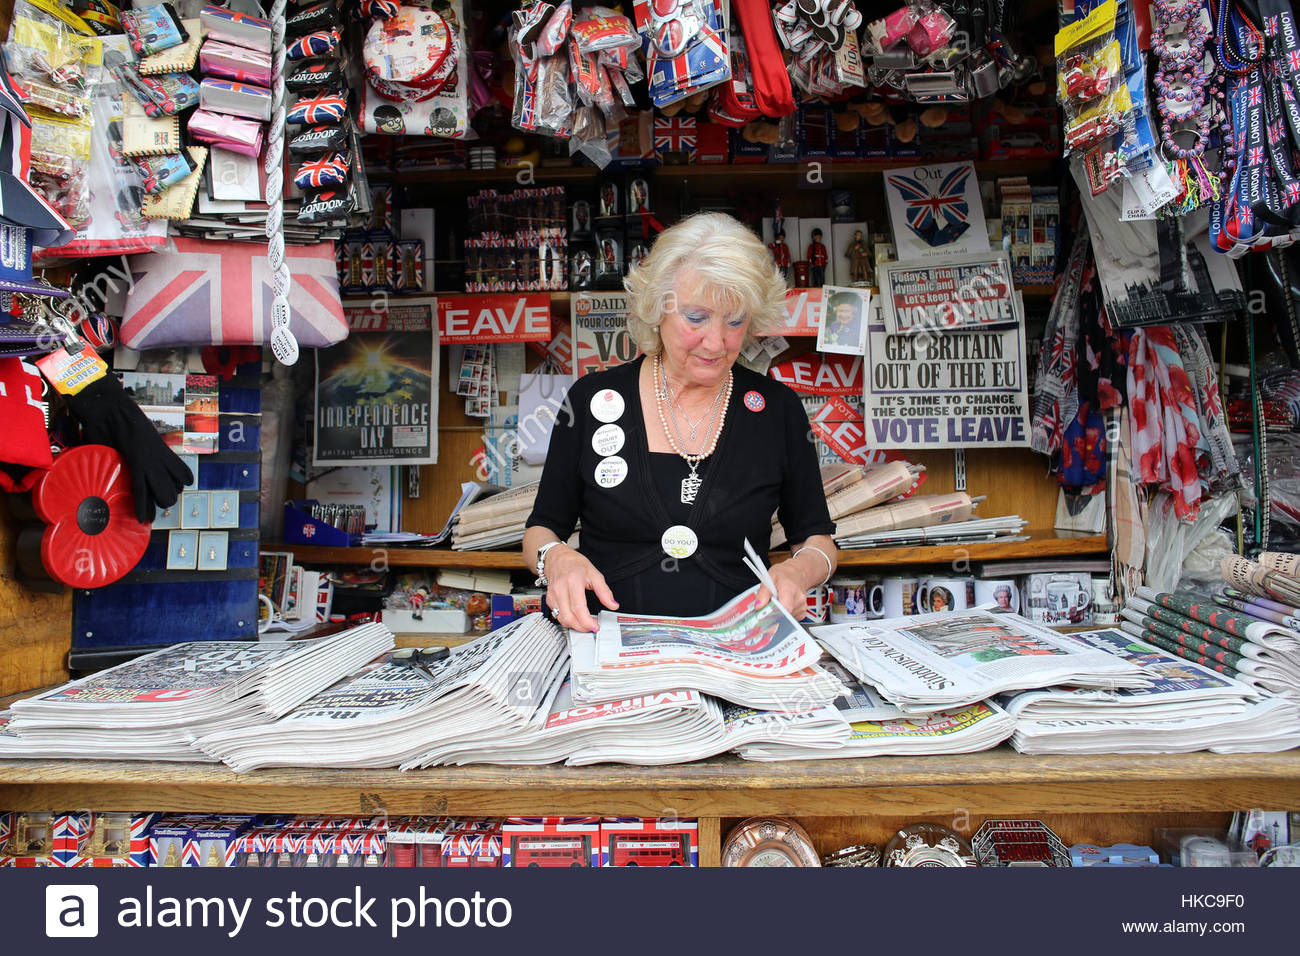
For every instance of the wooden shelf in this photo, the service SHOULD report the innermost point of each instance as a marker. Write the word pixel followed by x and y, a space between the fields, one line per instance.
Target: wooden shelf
pixel 1041 544
pixel 999 781
pixel 743 175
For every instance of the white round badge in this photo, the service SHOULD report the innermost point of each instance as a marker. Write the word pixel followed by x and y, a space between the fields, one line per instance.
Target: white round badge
pixel 679 541
pixel 610 472
pixel 607 440
pixel 607 405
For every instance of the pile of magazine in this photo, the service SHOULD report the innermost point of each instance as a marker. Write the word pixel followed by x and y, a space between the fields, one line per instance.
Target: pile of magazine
pixel 493 522
pixel 754 656
pixel 869 726
pixel 392 714
pixel 153 707
pixel 1184 707
pixel 947 661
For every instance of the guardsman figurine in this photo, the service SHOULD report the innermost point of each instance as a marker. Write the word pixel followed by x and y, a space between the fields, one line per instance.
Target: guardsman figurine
pixel 817 259
pixel 780 254
pixel 859 259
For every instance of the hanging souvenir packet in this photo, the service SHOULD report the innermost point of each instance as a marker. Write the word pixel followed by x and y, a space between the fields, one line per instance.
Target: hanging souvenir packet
pixel 702 58
pixel 153 29
pixel 319 139
pixel 226 60
pixel 320 16
pixel 315 75
pixel 327 206
pixel 321 108
pixel 330 170
pixel 1090 79
pixel 240 135
pixel 320 43
pixel 159 172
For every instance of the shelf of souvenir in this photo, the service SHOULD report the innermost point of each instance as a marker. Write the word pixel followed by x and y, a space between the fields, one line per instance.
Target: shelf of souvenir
pixel 1041 544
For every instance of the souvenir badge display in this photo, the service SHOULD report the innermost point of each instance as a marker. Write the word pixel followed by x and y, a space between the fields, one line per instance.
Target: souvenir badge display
pixel 769 841
pixel 928 844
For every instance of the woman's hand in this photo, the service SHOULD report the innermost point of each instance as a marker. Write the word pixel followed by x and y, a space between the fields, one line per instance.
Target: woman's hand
pixel 790 590
pixel 571 576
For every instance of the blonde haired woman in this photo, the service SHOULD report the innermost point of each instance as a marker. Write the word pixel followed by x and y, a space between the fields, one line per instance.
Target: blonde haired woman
pixel 671 461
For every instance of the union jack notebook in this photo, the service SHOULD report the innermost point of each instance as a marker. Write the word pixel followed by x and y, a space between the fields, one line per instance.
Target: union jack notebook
pixel 148 136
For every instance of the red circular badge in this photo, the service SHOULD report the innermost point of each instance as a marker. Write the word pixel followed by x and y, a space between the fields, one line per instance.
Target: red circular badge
pixel 754 401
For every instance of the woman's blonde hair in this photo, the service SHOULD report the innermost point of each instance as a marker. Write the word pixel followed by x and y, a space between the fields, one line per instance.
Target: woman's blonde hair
pixel 735 270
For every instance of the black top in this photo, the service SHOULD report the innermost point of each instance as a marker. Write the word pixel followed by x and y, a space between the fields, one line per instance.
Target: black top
pixel 764 462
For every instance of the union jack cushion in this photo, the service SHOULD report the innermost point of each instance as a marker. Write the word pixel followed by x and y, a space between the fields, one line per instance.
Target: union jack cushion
pixel 205 292
pixel 313 44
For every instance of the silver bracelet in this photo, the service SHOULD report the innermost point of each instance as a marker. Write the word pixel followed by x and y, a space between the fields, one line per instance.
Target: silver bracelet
pixel 830 568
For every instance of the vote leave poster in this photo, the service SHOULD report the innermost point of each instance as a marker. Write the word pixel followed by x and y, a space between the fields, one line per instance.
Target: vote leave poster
pixel 598 325
pixel 509 317
pixel 946 389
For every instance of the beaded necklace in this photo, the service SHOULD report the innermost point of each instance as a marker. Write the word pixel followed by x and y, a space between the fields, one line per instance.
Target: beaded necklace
pixel 691 483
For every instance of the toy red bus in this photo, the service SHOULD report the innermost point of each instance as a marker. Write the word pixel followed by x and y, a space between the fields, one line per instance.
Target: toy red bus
pixel 550 849
pixel 643 849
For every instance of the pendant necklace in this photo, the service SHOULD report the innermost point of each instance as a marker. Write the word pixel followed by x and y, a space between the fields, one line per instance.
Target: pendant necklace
pixel 691 483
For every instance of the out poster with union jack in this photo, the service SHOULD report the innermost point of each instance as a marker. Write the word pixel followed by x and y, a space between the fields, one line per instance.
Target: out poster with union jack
pixel 935 211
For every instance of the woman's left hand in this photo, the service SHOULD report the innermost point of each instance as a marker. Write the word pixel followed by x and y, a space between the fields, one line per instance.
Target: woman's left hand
pixel 789 588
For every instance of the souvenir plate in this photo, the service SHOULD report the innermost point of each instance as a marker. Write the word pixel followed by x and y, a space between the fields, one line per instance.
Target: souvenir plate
pixel 769 841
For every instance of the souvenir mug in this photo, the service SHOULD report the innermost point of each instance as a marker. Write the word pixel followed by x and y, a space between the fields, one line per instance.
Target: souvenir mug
pixel 898 595
pixel 818 605
pixel 1004 595
pixel 1105 609
pixel 945 594
pixel 853 599
pixel 1067 598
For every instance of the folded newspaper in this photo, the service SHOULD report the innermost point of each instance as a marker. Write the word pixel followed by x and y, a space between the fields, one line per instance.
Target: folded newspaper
pixel 389 714
pixel 154 706
pixel 934 662
pixel 873 726
pixel 753 656
pixel 1185 707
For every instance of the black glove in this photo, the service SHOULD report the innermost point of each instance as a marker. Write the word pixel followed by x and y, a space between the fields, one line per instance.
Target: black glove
pixel 110 417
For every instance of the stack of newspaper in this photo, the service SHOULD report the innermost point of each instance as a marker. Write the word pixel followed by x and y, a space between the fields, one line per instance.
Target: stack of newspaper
pixel 155 706
pixel 752 656
pixel 799 734
pixel 936 662
pixel 668 727
pixel 1196 627
pixel 392 714
pixel 494 522
pixel 872 726
pixel 852 489
pixel 1185 707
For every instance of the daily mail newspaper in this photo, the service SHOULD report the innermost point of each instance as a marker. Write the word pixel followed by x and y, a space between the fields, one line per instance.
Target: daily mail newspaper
pixel 750 655
pixel 933 662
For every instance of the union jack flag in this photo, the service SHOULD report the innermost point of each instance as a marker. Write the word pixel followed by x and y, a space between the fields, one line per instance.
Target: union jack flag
pixel 1255 156
pixel 1292 192
pixel 220 292
pixel 675 134
pixel 313 44
pixel 1254 96
pixel 1275 130
pixel 323 108
pixel 331 170
pixel 938 217
pixel 1293 60
pixel 1271 25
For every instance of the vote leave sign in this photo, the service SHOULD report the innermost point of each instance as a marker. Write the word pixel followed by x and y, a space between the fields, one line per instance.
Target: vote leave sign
pixel 509 317
pixel 803 310
pixel 816 374
pixel 961 292
pixel 949 389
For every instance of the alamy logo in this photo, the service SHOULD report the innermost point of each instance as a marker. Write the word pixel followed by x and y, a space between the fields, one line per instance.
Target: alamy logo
pixel 71 910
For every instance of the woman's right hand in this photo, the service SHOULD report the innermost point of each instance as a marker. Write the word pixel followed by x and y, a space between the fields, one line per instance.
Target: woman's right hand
pixel 571 576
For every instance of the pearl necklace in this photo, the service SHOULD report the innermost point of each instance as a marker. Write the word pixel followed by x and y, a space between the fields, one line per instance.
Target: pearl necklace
pixel 691 483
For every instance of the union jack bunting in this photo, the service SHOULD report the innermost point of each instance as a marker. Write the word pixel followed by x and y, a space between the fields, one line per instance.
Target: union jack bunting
pixel 313 44
pixel 939 217
pixel 322 108
pixel 331 170
pixel 675 134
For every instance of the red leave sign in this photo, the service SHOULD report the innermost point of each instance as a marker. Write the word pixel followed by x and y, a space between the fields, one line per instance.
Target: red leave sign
pixel 522 317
